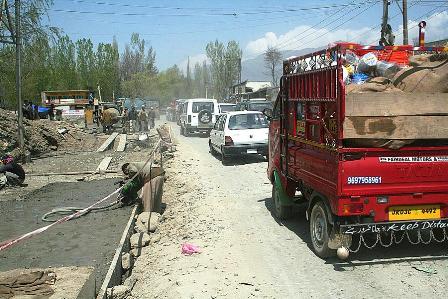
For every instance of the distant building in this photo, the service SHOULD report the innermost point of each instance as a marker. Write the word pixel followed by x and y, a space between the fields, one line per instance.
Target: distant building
pixel 249 89
pixel 438 43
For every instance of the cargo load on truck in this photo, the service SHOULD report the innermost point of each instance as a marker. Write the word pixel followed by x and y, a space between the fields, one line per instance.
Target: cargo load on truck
pixel 360 134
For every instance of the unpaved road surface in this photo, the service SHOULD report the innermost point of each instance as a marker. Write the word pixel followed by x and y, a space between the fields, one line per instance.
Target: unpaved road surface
pixel 246 252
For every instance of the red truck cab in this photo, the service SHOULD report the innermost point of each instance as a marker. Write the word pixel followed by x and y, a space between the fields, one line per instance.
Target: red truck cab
pixel 365 163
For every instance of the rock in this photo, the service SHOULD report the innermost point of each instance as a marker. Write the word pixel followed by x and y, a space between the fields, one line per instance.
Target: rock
pixel 126 261
pixel 118 292
pixel 130 282
pixel 141 224
pixel 136 252
pixel 139 240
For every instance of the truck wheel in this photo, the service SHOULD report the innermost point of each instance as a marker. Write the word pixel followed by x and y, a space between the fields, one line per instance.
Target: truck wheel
pixel 320 231
pixel 282 212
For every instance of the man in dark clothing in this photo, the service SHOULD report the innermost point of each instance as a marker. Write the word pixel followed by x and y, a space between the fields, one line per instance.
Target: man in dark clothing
pixel 51 112
pixel 11 173
pixel 132 119
pixel 152 117
pixel 36 113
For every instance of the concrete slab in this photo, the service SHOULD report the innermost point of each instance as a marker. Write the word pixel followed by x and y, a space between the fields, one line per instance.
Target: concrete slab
pixel 108 142
pixel 121 143
pixel 104 164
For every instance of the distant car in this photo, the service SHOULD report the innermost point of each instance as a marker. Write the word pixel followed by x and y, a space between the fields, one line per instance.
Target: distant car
pixel 240 133
pixel 254 105
pixel 226 107
pixel 198 115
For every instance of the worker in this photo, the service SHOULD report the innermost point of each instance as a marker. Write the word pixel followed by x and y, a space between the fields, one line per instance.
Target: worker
pixel 51 112
pixel 132 119
pixel 128 194
pixel 125 120
pixel 143 120
pixel 152 117
pixel 36 113
pixel 11 173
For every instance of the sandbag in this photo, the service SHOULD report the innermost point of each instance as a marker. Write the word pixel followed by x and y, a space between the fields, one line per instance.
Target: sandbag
pixel 429 76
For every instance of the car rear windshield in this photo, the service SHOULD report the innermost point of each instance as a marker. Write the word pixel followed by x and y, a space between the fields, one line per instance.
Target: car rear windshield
pixel 227 108
pixel 260 106
pixel 248 121
pixel 199 106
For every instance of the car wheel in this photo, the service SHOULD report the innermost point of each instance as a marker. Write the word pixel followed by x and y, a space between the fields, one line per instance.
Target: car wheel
pixel 320 231
pixel 212 150
pixel 282 212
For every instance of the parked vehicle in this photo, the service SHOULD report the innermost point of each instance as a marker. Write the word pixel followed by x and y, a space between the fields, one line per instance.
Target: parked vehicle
pixel 226 107
pixel 198 115
pixel 254 105
pixel 240 133
pixel 364 162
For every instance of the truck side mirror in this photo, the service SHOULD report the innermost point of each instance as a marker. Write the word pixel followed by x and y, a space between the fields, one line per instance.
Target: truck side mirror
pixel 268 113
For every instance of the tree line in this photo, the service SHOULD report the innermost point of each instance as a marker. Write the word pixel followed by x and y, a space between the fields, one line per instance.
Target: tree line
pixel 53 61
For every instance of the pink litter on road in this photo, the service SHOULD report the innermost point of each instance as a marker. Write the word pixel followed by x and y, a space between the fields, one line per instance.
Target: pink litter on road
pixel 189 249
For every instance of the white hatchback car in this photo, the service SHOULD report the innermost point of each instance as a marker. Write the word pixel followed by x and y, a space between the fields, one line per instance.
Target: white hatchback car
pixel 240 133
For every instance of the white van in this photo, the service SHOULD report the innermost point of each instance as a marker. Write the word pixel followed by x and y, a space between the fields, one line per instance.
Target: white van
pixel 198 115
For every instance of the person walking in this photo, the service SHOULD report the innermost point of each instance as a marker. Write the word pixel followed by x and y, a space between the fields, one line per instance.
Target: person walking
pixel 152 118
pixel 143 119
pixel 125 120
pixel 132 119
pixel 36 113
pixel 51 112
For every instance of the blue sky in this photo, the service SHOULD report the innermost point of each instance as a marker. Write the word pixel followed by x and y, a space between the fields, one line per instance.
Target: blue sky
pixel 178 29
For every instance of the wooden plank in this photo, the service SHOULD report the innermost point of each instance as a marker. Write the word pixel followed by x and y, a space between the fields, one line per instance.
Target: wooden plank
pixel 398 127
pixel 393 104
pixel 121 143
pixel 107 143
pixel 104 164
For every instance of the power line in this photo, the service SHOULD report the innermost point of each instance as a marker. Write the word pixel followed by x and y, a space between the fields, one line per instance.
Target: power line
pixel 294 39
pixel 232 14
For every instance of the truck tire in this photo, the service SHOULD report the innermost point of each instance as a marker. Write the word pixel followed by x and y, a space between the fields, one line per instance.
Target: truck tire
pixel 282 212
pixel 320 231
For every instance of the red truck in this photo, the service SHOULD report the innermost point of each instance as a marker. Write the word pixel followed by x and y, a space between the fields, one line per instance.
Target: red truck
pixel 369 162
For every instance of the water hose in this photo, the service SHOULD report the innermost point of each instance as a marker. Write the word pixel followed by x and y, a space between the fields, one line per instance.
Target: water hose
pixel 71 210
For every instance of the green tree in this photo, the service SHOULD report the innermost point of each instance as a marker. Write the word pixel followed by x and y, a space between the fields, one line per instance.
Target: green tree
pixel 224 66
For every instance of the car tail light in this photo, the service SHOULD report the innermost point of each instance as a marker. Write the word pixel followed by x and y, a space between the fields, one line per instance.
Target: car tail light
pixel 353 208
pixel 228 140
pixel 189 119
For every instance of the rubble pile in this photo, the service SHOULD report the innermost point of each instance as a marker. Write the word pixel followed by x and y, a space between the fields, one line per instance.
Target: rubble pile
pixel 41 136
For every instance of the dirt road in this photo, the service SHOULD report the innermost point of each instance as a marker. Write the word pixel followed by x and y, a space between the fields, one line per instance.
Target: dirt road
pixel 246 252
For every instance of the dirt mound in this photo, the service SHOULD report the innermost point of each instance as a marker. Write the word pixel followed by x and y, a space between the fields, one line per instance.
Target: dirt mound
pixel 42 136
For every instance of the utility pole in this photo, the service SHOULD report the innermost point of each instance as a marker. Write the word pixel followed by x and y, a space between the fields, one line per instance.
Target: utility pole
pixel 18 40
pixel 384 19
pixel 405 23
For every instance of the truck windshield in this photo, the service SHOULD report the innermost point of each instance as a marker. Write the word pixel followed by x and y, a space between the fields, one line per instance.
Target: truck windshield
pixel 260 106
pixel 199 106
pixel 227 108
pixel 248 121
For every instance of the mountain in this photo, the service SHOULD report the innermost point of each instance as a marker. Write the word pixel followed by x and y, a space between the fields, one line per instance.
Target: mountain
pixel 255 70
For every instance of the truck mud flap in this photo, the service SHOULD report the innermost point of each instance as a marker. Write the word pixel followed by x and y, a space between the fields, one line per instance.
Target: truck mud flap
pixel 397 226
pixel 284 198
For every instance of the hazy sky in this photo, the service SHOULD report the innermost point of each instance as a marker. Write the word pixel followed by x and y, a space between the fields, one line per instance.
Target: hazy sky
pixel 178 29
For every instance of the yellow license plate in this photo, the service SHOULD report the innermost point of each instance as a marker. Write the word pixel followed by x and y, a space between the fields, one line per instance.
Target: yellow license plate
pixel 414 212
